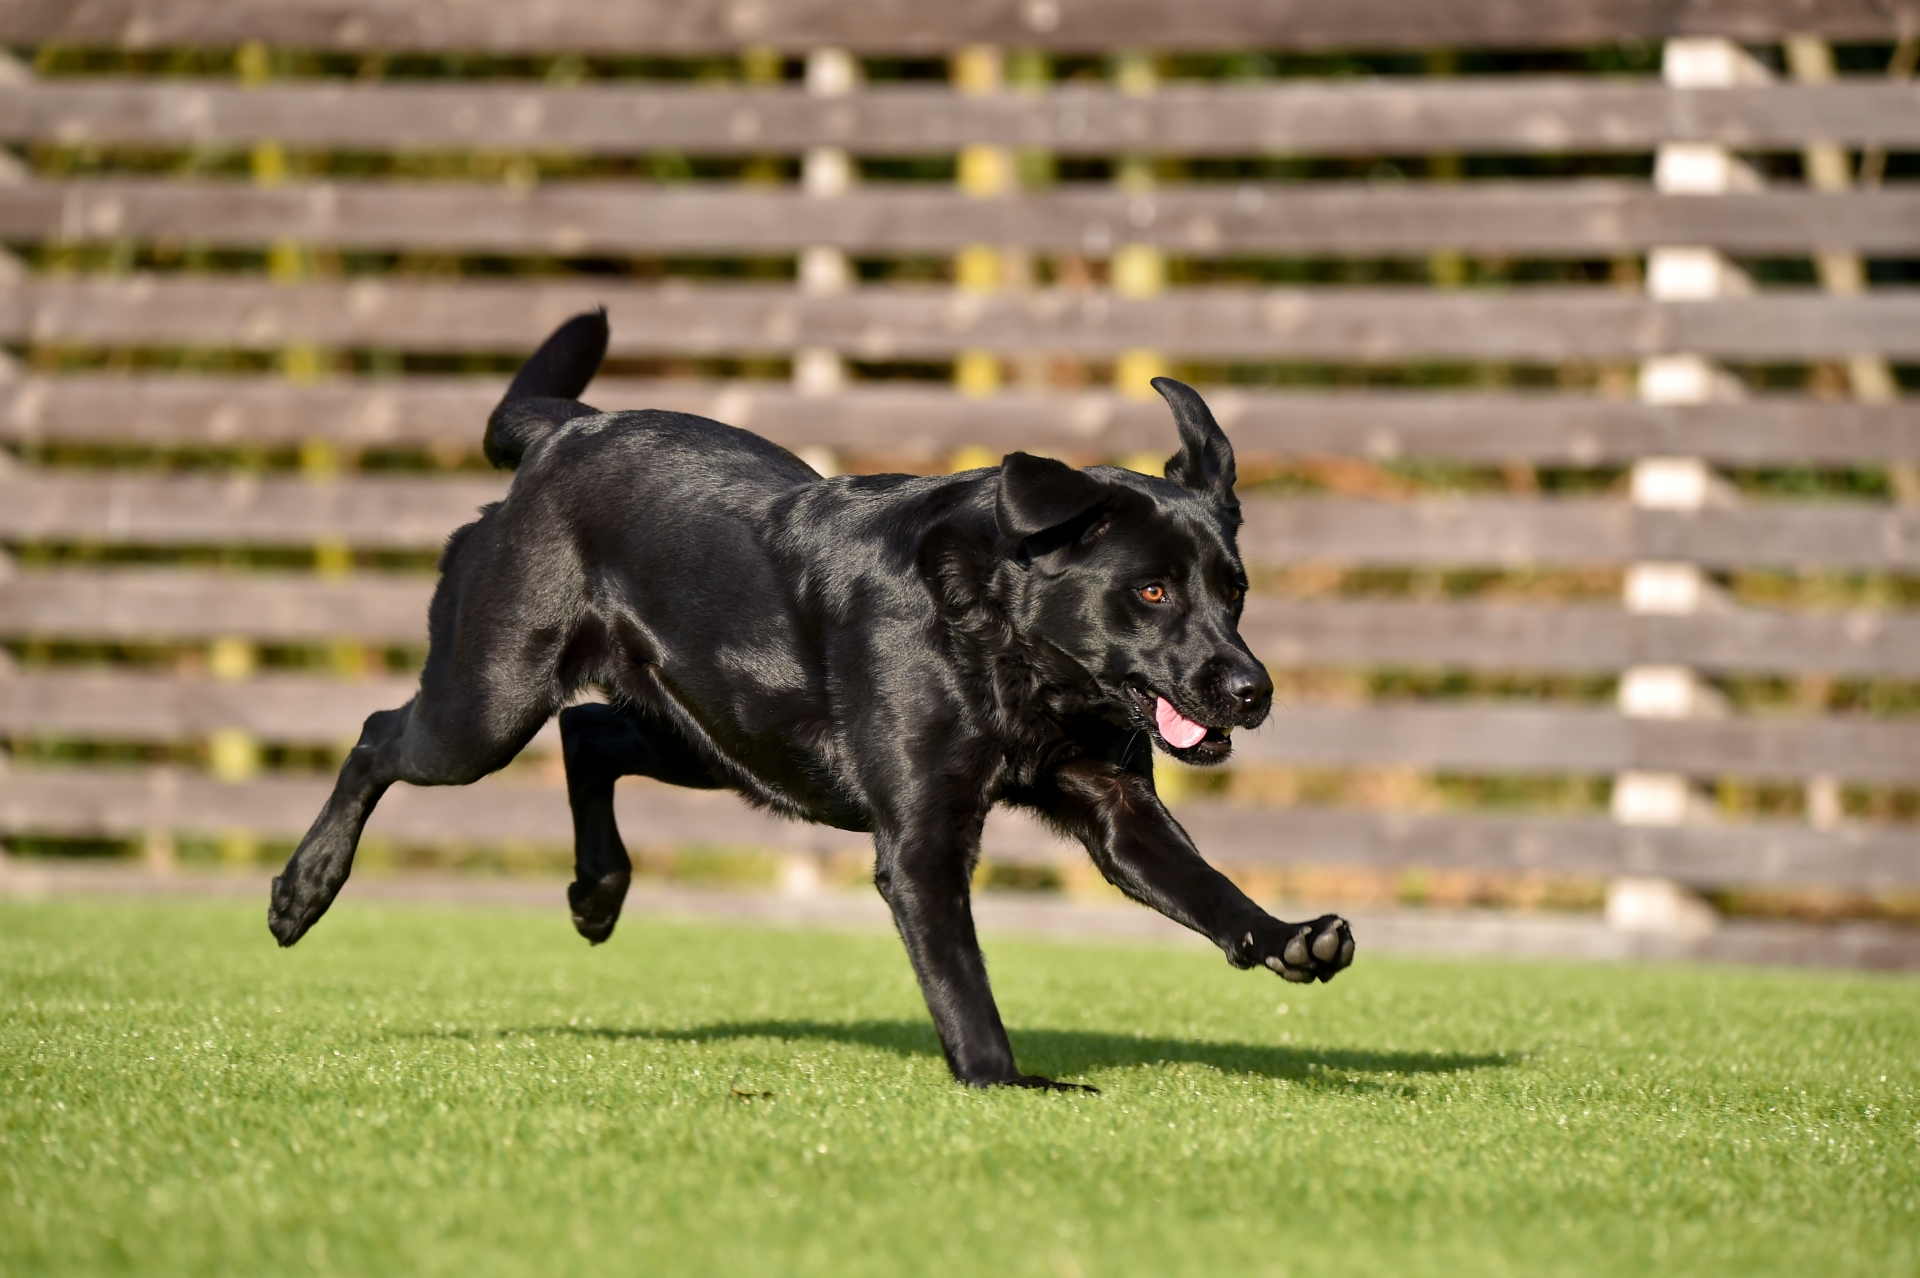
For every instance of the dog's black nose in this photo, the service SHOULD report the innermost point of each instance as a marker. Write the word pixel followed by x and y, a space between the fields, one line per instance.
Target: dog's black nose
pixel 1250 686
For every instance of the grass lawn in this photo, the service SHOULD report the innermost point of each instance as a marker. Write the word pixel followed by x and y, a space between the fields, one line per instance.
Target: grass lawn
pixel 421 1091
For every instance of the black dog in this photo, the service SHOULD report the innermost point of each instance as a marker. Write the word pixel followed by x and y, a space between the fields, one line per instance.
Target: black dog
pixel 880 653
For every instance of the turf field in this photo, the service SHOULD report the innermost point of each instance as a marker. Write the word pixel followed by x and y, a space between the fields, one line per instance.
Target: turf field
pixel 414 1091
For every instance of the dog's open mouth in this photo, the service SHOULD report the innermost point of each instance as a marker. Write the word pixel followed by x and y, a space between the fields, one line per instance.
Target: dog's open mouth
pixel 1183 735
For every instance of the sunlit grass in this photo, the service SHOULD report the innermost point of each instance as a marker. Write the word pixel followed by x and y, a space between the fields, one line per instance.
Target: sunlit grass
pixel 420 1091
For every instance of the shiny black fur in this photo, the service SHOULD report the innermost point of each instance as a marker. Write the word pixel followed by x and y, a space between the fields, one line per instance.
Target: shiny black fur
pixel 881 653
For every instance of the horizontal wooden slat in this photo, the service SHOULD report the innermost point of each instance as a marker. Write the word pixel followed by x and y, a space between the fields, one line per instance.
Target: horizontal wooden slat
pixel 1506 637
pixel 418 513
pixel 711 26
pixel 932 421
pixel 129 705
pixel 222 412
pixel 1538 218
pixel 368 511
pixel 1301 117
pixel 86 802
pixel 1508 533
pixel 135 706
pixel 1562 739
pixel 1758 854
pixel 1362 325
pixel 102 803
pixel 160 605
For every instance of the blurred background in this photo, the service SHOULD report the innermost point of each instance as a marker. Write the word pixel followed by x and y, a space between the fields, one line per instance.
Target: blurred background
pixel 1570 364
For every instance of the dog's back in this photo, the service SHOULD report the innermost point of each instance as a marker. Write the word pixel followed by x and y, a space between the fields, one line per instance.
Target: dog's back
pixel 545 395
pixel 640 545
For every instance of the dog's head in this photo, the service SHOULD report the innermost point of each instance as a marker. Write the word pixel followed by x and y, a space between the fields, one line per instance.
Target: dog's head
pixel 1138 583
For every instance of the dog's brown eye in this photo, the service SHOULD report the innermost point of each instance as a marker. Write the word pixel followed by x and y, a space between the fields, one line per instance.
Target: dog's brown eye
pixel 1154 593
pixel 1234 593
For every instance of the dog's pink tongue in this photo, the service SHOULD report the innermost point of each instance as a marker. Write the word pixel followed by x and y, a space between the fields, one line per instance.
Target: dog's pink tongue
pixel 1179 730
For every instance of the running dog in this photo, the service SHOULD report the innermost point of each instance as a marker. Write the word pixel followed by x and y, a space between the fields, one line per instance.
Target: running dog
pixel 881 653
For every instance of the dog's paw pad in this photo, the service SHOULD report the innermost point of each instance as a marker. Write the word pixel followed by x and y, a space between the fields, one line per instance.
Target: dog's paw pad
pixel 1316 951
pixel 1332 946
pixel 1298 975
pixel 1295 954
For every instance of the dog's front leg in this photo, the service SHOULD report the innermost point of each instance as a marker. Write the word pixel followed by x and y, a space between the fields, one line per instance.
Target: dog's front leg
pixel 925 877
pixel 1142 850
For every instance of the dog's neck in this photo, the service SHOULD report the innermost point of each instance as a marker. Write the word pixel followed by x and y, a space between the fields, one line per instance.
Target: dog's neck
pixel 1024 692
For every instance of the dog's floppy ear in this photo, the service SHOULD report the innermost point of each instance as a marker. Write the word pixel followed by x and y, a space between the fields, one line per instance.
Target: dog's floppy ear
pixel 1038 493
pixel 1205 460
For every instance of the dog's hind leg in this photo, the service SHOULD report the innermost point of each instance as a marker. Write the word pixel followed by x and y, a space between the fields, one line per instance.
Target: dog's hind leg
pixel 452 733
pixel 318 869
pixel 506 645
pixel 602 744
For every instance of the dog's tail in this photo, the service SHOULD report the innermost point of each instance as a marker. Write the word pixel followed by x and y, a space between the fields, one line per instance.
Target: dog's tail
pixel 545 392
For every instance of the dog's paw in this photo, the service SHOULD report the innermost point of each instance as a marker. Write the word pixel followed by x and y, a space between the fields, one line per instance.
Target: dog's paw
pixel 291 911
pixel 305 890
pixel 1299 952
pixel 596 905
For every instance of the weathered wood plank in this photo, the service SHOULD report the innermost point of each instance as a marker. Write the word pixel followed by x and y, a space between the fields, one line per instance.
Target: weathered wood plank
pixel 133 706
pixel 222 412
pixel 1503 637
pixel 88 802
pixel 418 513
pixel 163 605
pixel 881 26
pixel 105 704
pixel 1536 218
pixel 926 421
pixel 369 511
pixel 1302 117
pixel 1551 740
pixel 1756 854
pixel 1362 325
pixel 1508 533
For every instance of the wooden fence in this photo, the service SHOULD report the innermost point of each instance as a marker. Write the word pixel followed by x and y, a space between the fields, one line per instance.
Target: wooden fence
pixel 158 227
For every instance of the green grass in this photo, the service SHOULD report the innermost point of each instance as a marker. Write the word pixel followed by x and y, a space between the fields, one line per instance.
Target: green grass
pixel 420 1091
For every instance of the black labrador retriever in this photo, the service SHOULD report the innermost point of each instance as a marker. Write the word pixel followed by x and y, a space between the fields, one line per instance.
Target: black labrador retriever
pixel 880 653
